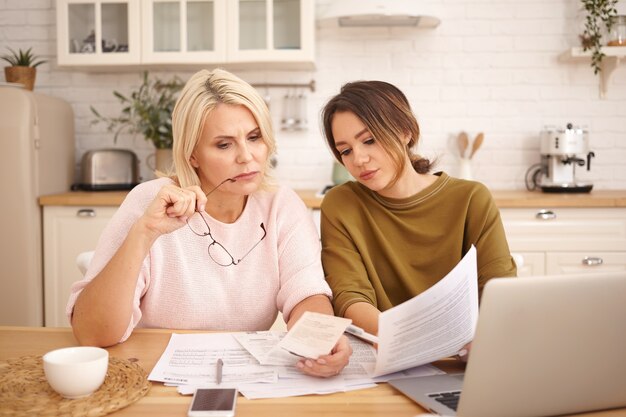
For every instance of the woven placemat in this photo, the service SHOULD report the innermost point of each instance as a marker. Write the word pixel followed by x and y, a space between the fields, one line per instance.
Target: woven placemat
pixel 24 390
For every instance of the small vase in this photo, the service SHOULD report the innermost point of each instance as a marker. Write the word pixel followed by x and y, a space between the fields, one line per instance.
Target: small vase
pixel 161 161
pixel 21 75
pixel 465 169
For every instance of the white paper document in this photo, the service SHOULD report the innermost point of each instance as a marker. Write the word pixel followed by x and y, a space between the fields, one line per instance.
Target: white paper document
pixel 262 345
pixel 432 325
pixel 314 335
pixel 192 359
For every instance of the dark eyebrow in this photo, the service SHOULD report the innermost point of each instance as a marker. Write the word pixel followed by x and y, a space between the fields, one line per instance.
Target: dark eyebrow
pixel 355 137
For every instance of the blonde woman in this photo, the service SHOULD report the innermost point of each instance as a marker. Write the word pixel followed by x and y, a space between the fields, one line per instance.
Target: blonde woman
pixel 214 246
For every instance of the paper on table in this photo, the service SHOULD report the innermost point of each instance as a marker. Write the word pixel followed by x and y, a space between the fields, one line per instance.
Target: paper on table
pixel 432 325
pixel 191 359
pixel 314 335
pixel 262 345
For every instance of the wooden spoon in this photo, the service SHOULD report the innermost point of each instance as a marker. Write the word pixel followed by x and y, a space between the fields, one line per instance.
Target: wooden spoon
pixel 476 144
pixel 462 143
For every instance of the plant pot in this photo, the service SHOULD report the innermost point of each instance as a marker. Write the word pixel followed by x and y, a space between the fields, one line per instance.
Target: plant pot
pixel 21 75
pixel 161 160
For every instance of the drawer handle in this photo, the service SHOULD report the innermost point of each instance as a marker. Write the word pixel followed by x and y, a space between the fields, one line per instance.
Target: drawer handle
pixel 86 213
pixel 592 261
pixel 545 215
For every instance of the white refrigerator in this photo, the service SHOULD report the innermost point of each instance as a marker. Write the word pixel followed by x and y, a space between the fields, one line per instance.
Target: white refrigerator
pixel 36 158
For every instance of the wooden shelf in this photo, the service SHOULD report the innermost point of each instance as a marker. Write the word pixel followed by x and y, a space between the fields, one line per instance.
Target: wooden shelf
pixel 613 56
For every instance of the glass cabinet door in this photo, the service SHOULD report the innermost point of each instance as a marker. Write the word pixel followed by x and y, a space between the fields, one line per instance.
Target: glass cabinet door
pixel 287 25
pixel 253 24
pixel 184 31
pixel 97 32
pixel 271 30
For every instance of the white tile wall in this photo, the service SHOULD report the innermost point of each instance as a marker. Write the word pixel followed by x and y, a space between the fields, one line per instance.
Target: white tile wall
pixel 490 66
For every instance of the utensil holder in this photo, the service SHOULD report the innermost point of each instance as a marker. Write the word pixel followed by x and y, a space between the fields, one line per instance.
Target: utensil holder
pixel 465 169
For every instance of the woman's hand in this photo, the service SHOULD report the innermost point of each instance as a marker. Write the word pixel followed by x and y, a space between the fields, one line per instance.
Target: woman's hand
pixel 328 365
pixel 171 208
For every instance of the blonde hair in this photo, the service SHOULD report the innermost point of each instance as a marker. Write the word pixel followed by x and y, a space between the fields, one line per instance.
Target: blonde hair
pixel 202 93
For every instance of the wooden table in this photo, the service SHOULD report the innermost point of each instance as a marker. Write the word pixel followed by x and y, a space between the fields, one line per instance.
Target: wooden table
pixel 148 345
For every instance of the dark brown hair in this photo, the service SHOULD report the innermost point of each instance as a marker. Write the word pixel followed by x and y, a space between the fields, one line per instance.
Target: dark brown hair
pixel 386 113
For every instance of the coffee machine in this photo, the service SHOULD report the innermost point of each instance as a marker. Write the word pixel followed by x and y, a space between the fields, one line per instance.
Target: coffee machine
pixel 562 150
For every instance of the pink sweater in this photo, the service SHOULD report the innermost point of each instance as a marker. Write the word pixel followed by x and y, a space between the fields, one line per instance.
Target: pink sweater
pixel 180 287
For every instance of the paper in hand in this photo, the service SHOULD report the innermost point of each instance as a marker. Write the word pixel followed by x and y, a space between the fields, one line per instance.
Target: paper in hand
pixel 314 335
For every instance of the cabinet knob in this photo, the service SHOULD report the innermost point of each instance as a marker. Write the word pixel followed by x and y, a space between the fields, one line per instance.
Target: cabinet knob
pixel 545 215
pixel 592 261
pixel 86 213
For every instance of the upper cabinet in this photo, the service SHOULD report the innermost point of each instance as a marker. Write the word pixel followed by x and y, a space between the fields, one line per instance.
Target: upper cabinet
pixel 116 32
pixel 103 32
pixel 183 31
pixel 278 30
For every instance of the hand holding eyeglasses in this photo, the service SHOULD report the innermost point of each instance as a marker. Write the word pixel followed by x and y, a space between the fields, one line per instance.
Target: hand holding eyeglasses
pixel 172 207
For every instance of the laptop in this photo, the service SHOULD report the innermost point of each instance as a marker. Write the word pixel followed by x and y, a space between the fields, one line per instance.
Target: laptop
pixel 543 346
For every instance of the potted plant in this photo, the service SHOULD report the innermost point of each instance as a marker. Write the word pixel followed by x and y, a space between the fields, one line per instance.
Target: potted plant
pixel 600 16
pixel 148 110
pixel 23 68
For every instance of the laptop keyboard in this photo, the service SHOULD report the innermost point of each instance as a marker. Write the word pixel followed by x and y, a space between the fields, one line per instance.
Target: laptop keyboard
pixel 449 399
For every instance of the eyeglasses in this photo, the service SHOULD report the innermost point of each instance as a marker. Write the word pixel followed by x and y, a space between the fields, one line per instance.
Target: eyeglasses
pixel 217 252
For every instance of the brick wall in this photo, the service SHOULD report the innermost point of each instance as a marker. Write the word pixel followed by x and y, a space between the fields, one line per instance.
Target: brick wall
pixel 491 66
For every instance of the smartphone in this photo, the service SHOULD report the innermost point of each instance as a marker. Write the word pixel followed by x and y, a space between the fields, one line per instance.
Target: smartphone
pixel 213 402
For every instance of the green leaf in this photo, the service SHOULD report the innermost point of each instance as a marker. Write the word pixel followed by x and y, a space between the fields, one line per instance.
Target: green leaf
pixel 148 110
pixel 600 17
pixel 22 58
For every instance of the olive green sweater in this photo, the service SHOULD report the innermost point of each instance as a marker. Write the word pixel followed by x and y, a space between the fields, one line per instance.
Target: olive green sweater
pixel 385 251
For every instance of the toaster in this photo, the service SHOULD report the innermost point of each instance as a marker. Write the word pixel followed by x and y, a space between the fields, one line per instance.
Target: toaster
pixel 108 169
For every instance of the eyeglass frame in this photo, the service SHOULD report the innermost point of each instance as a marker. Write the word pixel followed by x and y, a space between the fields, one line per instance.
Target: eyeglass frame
pixel 215 242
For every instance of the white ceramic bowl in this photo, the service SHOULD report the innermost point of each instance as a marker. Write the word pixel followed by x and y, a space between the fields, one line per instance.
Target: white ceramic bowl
pixel 76 372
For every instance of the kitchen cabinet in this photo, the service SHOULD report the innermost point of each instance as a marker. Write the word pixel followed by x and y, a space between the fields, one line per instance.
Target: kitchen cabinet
pixel 218 32
pixel 183 31
pixel 534 263
pixel 280 31
pixel 567 240
pixel 242 31
pixel 67 231
pixel 94 33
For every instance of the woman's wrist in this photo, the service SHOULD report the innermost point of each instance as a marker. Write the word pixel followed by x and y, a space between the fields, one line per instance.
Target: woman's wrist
pixel 142 234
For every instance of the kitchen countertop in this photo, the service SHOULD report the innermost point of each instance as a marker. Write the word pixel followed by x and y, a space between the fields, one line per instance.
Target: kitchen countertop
pixel 115 198
pixel 503 198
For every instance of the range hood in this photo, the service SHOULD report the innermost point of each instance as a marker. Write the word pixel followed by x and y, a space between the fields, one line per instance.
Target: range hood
pixel 408 13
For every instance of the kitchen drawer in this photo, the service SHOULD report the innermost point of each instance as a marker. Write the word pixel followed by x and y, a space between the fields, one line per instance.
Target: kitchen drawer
pixel 590 261
pixel 565 229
